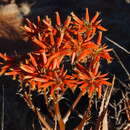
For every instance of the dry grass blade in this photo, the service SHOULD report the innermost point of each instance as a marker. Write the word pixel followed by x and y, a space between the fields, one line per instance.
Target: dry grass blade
pixel 86 116
pixel 110 92
pixel 122 83
pixel 121 63
pixel 105 122
pixel 117 45
pixel 102 119
pixel 127 105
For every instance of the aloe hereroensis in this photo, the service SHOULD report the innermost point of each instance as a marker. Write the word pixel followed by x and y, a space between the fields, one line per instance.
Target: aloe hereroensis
pixel 43 70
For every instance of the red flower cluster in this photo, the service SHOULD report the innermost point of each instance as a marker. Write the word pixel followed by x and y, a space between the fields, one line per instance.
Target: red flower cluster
pixel 43 69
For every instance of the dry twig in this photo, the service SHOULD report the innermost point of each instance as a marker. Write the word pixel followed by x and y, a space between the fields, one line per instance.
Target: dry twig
pixel 115 43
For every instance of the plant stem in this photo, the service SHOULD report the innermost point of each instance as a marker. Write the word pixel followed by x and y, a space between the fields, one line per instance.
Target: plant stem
pixel 86 116
pixel 65 119
pixel 104 105
pixel 41 117
pixel 43 120
pixel 58 116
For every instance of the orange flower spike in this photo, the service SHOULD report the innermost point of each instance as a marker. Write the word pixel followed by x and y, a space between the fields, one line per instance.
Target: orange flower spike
pixel 95 70
pixel 38 42
pixel 52 39
pixel 27 29
pixel 70 85
pixel 47 84
pixel 59 41
pixel 27 77
pixel 84 53
pixel 48 19
pixel 53 88
pixel 101 28
pixel 99 89
pixel 77 19
pixel 73 57
pixel 91 91
pixel 87 15
pixel 38 86
pixel 103 75
pixel 80 39
pixel 99 39
pixel 71 39
pixel 33 85
pixel 29 23
pixel 39 37
pixel 62 87
pixel 84 85
pixel 95 17
pixel 104 82
pixel 62 70
pixel 48 24
pixel 58 21
pixel 56 75
pixel 107 57
pixel 5 57
pixel 50 59
pixel 64 74
pixel 90 34
pixel 91 45
pixel 83 76
pixel 38 20
pixel 12 73
pixel 98 22
pixel 42 80
pixel 83 88
pixel 59 61
pixel 4 69
pixel 67 22
pixel 33 60
pixel 34 26
pixel 54 64
pixel 44 58
pixel 50 66
pixel 27 68
pixel 81 68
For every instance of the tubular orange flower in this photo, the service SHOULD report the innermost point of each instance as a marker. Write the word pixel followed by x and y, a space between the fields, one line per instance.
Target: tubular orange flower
pixel 102 50
pixel 5 57
pixel 95 18
pixel 77 19
pixel 33 60
pixel 58 80
pixel 43 68
pixel 4 69
pixel 86 26
pixel 38 42
pixel 87 15
pixel 67 22
pixel 27 68
pixel 58 21
pixel 91 80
